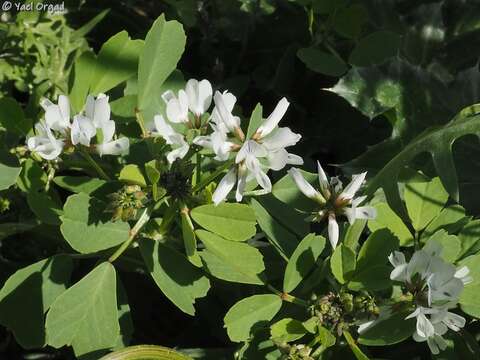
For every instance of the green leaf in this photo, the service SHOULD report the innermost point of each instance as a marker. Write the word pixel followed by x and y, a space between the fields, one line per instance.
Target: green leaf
pixel 83 75
pixel 375 48
pixel 287 330
pixel 86 316
pixel 131 174
pixel 146 352
pixel 181 283
pixel 285 214
pixel 32 176
pixel 353 233
pixel 371 272
pixel 164 45
pixel 248 314
pixel 469 299
pixel 28 294
pixel 230 220
pixel 348 21
pixel 376 249
pixel 322 62
pixel 424 200
pixel 86 227
pixel 124 106
pixel 302 261
pixel 355 88
pixel 117 61
pixel 390 331
pixel 79 184
pixel 231 261
pixel 189 239
pixel 12 117
pixel 153 174
pixel 438 142
pixel 280 237
pixel 342 263
pixel 387 219
pixel 9 170
pixel 45 207
pixel 87 27
pixel 469 238
pixel 451 219
pixel 450 245
pixel 255 121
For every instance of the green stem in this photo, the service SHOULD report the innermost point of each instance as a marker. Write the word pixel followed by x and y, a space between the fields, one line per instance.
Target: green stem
pixel 198 168
pixel 95 165
pixel 212 176
pixel 141 123
pixel 287 297
pixel 133 233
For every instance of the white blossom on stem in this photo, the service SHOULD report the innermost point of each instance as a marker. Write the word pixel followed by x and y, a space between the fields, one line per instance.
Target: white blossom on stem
pixel 44 142
pixel 334 200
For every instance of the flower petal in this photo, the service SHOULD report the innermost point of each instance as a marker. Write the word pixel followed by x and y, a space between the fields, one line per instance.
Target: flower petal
pixel 199 96
pixel 116 147
pixel 274 118
pixel 333 232
pixel 303 185
pixel 354 185
pixel 225 186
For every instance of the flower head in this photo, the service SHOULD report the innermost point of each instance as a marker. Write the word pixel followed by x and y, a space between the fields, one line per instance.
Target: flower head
pixel 263 151
pixel 334 200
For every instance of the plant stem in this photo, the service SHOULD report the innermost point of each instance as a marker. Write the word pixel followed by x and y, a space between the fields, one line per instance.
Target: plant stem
pixel 133 233
pixel 95 165
pixel 141 123
pixel 198 167
pixel 212 177
pixel 287 297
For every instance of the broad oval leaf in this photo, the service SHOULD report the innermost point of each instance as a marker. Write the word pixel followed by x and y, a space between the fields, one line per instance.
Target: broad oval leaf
pixel 287 330
pixel 131 174
pixel 79 184
pixel 375 48
pixel 231 261
pixel 342 263
pixel 246 315
pixel 12 117
pixel 164 45
pixel 424 200
pixel 230 220
pixel 86 315
pixel 390 331
pixel 322 62
pixel 180 281
pixel 469 299
pixel 144 352
pixel 9 170
pixel 117 61
pixel 388 219
pixel 27 295
pixel 86 226
pixel 302 261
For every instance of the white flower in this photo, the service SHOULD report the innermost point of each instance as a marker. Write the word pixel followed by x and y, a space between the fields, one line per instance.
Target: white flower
pixel 265 150
pixel 443 286
pixel 222 115
pixel 464 274
pixel 334 200
pixel 177 107
pixel 399 273
pixel 199 95
pixel 174 139
pixel 451 320
pixel 82 130
pixel 57 117
pixel 225 186
pixel 97 110
pixel 44 143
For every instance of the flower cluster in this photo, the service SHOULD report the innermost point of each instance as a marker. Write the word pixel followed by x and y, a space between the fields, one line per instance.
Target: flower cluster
pixel 436 286
pixel 59 131
pixel 254 156
pixel 334 200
